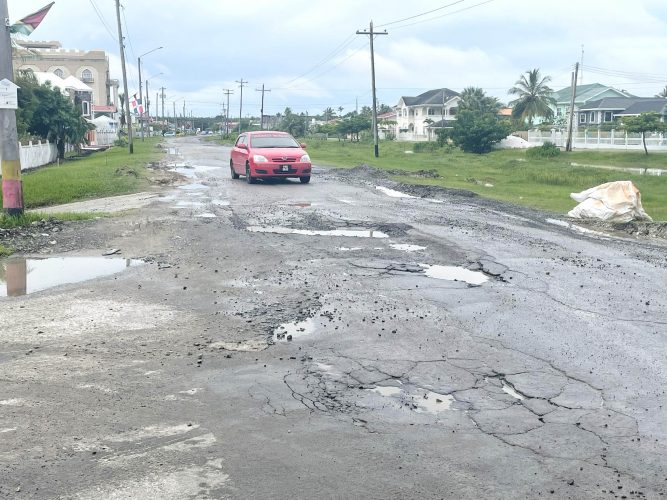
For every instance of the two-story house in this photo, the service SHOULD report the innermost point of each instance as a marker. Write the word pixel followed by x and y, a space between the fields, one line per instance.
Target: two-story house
pixel 417 118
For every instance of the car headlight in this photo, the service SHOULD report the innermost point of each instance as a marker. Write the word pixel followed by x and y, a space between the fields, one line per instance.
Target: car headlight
pixel 305 159
pixel 259 159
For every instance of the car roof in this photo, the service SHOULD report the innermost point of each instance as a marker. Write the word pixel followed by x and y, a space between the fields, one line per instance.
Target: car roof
pixel 267 133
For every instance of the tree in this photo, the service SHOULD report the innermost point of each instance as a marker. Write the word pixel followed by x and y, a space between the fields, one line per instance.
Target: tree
pixel 477 127
pixel 474 99
pixel 662 93
pixel 353 124
pixel 329 113
pixel 534 97
pixel 645 122
pixel 293 124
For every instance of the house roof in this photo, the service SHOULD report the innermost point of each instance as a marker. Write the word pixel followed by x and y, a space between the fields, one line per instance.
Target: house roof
pixel 646 106
pixel 435 96
pixel 610 103
pixel 69 83
pixel 586 92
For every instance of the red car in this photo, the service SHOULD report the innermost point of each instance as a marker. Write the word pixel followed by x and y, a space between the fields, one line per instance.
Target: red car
pixel 265 154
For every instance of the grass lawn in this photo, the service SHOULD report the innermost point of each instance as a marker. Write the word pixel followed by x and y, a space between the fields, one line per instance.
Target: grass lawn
pixel 542 183
pixel 106 173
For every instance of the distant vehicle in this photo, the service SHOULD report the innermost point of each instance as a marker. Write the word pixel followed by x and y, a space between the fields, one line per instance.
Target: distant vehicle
pixel 266 154
pixel 169 134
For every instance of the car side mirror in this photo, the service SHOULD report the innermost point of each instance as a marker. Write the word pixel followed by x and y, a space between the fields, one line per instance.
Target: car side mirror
pixel 242 146
pixel 303 146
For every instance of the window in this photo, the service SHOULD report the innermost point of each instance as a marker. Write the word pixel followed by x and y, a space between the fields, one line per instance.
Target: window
pixel 452 111
pixel 592 117
pixel 608 116
pixel 559 112
pixel 582 117
pixel 431 112
pixel 85 107
pixel 86 75
pixel 59 73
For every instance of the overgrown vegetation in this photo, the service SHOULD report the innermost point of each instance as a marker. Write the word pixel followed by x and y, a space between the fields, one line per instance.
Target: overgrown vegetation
pixel 546 150
pixel 544 183
pixel 27 218
pixel 105 173
pixel 4 251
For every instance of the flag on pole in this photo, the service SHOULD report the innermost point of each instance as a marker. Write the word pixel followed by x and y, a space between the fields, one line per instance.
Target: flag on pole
pixel 28 24
pixel 136 105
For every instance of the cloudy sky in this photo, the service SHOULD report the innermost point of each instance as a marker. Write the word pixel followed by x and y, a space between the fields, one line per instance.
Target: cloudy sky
pixel 307 52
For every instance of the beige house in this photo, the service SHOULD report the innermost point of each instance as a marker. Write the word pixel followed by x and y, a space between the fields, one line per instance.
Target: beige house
pixel 90 67
pixel 417 118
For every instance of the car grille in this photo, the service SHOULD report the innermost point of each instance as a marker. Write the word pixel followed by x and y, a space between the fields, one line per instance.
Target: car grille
pixel 283 159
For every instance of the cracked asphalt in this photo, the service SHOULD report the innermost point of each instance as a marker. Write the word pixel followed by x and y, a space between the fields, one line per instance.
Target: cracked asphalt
pixel 330 340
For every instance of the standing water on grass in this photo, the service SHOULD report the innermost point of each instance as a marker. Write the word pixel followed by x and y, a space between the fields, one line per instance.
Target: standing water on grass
pixel 19 276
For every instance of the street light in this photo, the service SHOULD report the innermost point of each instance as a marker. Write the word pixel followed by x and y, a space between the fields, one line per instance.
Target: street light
pixel 148 98
pixel 141 95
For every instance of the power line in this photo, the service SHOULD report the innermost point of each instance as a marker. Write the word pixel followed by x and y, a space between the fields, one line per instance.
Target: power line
pixel 419 15
pixel 103 21
pixel 442 15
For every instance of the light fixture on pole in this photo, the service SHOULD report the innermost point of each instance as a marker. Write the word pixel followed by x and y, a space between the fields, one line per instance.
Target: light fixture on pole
pixel 141 95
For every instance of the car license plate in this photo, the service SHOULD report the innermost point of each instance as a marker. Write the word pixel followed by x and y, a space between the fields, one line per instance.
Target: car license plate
pixel 284 168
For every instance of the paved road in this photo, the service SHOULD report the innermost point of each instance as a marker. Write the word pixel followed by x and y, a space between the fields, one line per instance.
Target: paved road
pixel 335 340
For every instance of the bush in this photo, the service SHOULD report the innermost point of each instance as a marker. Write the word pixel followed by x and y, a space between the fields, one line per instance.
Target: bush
pixel 121 141
pixel 546 150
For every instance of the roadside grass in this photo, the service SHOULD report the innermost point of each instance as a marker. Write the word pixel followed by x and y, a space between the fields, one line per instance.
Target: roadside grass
pixel 105 173
pixel 27 218
pixel 540 183
pixel 4 251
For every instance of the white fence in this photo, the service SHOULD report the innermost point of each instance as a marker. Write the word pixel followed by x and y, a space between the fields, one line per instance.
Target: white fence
pixel 598 139
pixel 36 155
pixel 103 137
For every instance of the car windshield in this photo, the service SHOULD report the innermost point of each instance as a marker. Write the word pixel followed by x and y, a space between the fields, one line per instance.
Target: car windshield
pixel 274 141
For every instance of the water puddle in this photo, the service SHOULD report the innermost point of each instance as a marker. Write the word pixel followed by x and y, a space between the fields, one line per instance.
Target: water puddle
pixel 183 204
pixel 511 391
pixel 349 249
pixel 193 186
pixel 20 276
pixel 304 204
pixel 422 401
pixel 355 233
pixel 393 193
pixel 575 228
pixel 220 203
pixel 347 202
pixel 191 171
pixel 290 331
pixel 453 273
pixel 206 215
pixel 406 248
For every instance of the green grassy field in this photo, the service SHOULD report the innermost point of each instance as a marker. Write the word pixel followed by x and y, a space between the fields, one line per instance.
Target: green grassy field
pixel 541 183
pixel 105 173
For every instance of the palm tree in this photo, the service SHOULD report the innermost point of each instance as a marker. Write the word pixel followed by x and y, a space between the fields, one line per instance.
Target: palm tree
pixel 662 93
pixel 474 99
pixel 534 97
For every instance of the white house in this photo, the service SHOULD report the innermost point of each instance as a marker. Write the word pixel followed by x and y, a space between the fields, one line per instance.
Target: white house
pixel 417 118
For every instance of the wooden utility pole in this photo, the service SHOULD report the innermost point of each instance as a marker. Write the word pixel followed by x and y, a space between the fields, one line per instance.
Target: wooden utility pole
pixel 162 89
pixel 371 34
pixel 568 144
pixel 227 92
pixel 10 158
pixel 122 64
pixel 241 83
pixel 261 112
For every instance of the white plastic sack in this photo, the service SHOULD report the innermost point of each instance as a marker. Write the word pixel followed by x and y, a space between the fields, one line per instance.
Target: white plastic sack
pixel 618 201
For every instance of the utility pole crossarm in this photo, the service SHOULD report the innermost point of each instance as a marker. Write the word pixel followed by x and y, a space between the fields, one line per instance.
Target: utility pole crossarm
pixel 371 34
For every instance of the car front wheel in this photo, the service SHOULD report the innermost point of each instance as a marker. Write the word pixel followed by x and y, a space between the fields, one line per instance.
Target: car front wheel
pixel 232 171
pixel 248 178
pixel 305 179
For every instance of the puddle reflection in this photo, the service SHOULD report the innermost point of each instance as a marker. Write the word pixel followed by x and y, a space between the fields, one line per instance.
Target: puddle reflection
pixel 357 233
pixel 20 276
pixel 453 273
pixel 290 331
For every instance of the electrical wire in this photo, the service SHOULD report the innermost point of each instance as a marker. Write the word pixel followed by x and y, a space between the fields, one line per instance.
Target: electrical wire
pixel 103 21
pixel 442 15
pixel 419 15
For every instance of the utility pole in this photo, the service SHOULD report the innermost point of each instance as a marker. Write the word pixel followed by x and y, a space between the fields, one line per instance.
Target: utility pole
pixel 241 83
pixel 162 89
pixel 581 77
pixel 261 113
pixel 10 157
pixel 148 111
pixel 371 34
pixel 568 144
pixel 122 63
pixel 157 107
pixel 175 117
pixel 227 92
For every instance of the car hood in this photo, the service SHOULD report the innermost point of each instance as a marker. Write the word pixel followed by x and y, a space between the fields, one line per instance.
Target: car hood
pixel 279 152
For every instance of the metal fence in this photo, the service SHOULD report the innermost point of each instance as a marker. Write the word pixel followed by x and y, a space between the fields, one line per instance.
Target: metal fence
pixel 599 139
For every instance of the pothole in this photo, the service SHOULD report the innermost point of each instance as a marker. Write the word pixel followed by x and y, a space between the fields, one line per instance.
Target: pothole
pixel 404 247
pixel 193 186
pixel 393 193
pixel 419 401
pixel 291 331
pixel 454 273
pixel 206 215
pixel 20 276
pixel 354 233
